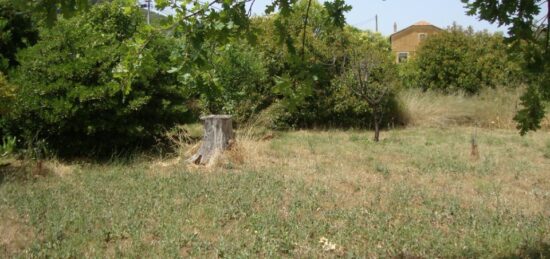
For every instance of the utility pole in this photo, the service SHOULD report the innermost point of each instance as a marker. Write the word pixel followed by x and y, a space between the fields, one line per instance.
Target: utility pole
pixel 376 20
pixel 148 12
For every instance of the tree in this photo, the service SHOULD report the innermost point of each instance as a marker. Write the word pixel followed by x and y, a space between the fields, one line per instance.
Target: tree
pixel 17 31
pixel 49 10
pixel 294 54
pixel 97 83
pixel 520 15
pixel 533 38
pixel 466 66
pixel 239 81
pixel 371 77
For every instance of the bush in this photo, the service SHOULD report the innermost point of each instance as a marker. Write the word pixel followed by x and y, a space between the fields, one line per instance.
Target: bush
pixel 7 92
pixel 461 60
pixel 97 83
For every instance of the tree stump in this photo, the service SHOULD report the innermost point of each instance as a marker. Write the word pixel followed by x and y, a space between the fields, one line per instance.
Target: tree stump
pixel 218 136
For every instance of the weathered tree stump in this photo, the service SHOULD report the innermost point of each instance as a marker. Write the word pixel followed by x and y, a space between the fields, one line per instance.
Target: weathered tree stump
pixel 218 136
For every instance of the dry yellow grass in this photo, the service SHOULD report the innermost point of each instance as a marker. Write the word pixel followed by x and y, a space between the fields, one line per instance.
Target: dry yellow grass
pixel 492 108
pixel 511 172
pixel 59 168
pixel 306 194
pixel 15 233
pixel 428 164
pixel 438 162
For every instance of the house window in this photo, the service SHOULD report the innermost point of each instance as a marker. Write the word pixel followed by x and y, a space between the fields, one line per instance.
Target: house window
pixel 422 36
pixel 402 57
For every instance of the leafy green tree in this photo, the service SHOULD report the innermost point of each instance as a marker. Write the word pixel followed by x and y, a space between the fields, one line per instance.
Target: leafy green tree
pixel 532 37
pixel 17 31
pixel 49 10
pixel 97 83
pixel 301 67
pixel 311 35
pixel 520 15
pixel 452 61
pixel 371 77
pixel 346 104
pixel 204 30
pixel 292 54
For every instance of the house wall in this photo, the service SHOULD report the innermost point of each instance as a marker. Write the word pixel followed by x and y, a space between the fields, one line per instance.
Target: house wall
pixel 408 40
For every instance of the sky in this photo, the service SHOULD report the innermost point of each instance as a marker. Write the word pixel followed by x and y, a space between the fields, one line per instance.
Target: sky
pixel 441 13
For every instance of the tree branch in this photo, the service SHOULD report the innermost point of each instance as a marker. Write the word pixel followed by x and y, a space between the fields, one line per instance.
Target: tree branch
pixel 547 26
pixel 200 10
pixel 250 8
pixel 304 32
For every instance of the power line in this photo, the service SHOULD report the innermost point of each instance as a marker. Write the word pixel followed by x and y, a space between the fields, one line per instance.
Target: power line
pixel 367 21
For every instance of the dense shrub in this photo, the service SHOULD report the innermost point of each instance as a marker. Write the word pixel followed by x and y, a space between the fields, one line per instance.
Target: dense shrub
pixel 461 60
pixel 7 92
pixel 17 31
pixel 97 83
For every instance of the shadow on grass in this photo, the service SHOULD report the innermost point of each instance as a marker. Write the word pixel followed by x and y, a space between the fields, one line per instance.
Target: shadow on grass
pixel 21 171
pixel 9 172
pixel 540 250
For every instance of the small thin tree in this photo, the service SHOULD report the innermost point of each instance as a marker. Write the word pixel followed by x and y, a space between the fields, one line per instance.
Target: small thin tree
pixel 372 78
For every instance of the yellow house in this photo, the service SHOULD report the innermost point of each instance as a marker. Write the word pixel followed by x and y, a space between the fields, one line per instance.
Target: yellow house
pixel 405 42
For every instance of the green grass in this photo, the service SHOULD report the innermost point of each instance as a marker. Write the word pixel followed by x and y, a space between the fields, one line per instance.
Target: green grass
pixel 416 193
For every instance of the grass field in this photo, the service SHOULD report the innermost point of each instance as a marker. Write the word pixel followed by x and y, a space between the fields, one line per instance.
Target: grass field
pixel 417 193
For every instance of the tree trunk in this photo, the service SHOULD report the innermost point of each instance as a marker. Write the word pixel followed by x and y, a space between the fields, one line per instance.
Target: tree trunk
pixel 218 136
pixel 376 132
pixel 376 127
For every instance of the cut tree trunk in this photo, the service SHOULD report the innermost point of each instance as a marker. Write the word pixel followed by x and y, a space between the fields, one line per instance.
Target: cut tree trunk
pixel 218 136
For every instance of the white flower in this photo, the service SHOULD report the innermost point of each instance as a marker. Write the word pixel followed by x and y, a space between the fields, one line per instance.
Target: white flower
pixel 327 245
